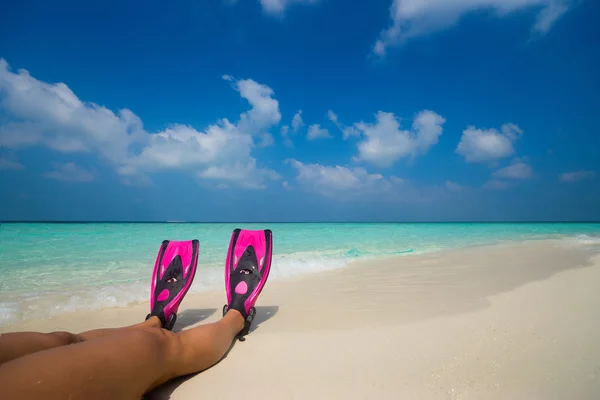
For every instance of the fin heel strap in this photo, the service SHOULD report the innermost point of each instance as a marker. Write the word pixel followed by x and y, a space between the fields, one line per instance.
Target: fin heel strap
pixel 248 319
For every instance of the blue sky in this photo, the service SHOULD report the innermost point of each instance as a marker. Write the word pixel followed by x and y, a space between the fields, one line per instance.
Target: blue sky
pixel 300 110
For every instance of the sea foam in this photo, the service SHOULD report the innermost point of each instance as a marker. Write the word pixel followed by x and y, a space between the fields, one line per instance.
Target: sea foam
pixel 52 269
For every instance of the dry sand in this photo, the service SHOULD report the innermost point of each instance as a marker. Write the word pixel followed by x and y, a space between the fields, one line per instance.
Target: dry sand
pixel 516 321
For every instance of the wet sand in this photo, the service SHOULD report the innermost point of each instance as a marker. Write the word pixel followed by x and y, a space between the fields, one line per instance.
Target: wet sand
pixel 516 321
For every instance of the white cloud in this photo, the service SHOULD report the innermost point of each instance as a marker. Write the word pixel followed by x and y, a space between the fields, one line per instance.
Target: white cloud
pixel 511 131
pixel 328 181
pixel 297 121
pixel 221 152
pixel 181 146
pixel 576 176
pixel 52 115
pixel 413 18
pixel 243 175
pixel 69 172
pixel 278 7
pixel 347 131
pixel 342 183
pixel 264 113
pixel 296 124
pixel 266 140
pixel 20 134
pixel 385 142
pixel 553 10
pixel 332 117
pixel 516 170
pixel 316 132
pixel 484 145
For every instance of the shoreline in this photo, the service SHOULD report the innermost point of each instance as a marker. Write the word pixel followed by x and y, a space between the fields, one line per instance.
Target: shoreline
pixel 302 222
pixel 216 292
pixel 512 321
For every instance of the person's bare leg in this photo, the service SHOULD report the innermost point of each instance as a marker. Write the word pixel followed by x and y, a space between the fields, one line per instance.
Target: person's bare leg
pixel 119 366
pixel 18 344
pixel 152 322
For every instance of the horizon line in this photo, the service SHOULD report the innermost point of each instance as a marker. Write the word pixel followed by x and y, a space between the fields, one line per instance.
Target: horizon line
pixel 291 222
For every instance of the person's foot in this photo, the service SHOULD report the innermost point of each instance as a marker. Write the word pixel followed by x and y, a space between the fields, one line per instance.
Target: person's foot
pixel 174 272
pixel 237 319
pixel 247 269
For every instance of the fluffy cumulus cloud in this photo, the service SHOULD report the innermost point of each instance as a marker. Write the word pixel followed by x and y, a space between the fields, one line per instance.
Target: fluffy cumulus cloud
pixel 181 146
pixel 264 112
pixel 246 175
pixel 485 145
pixel 412 18
pixel 384 142
pixel 344 183
pixel 516 170
pixel 567 177
pixel 69 172
pixel 333 180
pixel 52 115
pixel 265 109
pixel 316 132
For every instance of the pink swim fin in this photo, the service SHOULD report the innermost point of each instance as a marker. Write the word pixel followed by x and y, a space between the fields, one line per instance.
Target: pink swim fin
pixel 173 275
pixel 246 271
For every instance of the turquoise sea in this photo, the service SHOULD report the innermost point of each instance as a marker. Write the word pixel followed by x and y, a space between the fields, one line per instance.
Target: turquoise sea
pixel 47 269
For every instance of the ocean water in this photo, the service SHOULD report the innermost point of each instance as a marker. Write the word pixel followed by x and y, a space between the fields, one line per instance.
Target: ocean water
pixel 48 269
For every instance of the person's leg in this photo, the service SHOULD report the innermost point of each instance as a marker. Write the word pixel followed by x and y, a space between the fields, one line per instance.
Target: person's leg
pixel 18 344
pixel 119 366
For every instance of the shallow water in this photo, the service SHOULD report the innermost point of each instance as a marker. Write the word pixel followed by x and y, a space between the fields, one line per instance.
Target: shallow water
pixel 48 269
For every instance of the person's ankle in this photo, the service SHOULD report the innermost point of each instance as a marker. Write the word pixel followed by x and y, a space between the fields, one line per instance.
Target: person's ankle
pixel 153 321
pixel 236 318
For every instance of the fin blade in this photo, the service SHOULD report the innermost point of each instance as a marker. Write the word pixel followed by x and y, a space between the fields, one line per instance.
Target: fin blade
pixel 257 246
pixel 187 251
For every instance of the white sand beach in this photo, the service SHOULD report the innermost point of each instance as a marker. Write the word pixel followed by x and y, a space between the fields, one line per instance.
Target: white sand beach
pixel 511 321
